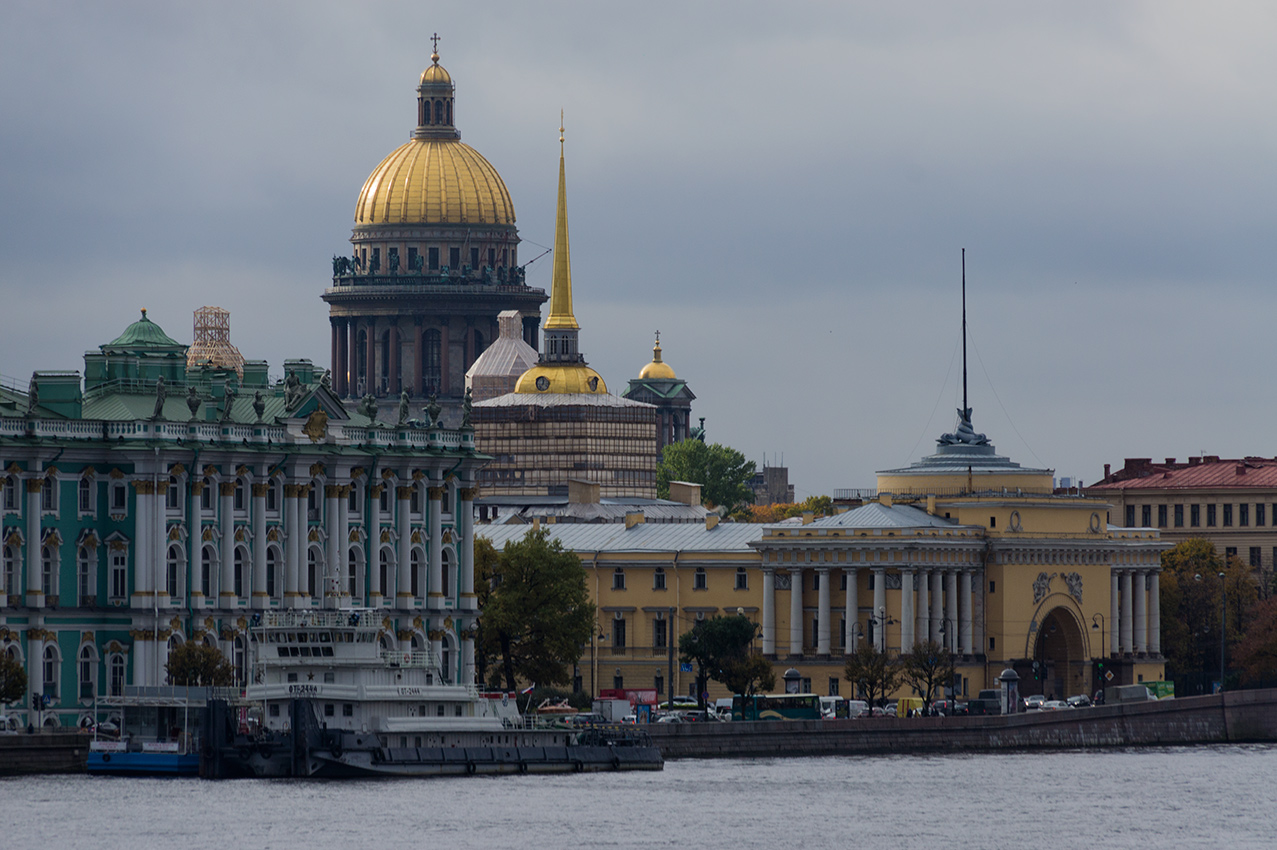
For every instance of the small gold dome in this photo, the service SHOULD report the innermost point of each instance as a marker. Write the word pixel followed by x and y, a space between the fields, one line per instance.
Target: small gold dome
pixel 568 378
pixel 434 181
pixel 435 73
pixel 657 369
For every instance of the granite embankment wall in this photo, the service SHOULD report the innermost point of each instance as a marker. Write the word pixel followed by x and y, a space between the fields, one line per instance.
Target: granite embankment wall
pixel 44 752
pixel 1234 717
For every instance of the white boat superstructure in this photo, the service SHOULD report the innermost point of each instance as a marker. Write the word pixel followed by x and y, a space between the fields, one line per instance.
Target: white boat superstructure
pixel 336 660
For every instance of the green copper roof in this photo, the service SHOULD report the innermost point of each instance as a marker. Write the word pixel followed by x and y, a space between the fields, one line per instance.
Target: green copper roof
pixel 143 332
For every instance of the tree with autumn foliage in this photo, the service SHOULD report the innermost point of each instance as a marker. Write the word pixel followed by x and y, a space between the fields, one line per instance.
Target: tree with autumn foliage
pixel 780 511
pixel 1191 605
pixel 1256 653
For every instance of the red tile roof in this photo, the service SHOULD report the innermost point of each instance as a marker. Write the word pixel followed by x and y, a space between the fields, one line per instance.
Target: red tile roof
pixel 1251 473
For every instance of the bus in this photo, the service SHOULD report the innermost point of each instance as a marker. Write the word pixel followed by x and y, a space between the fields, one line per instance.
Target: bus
pixel 776 707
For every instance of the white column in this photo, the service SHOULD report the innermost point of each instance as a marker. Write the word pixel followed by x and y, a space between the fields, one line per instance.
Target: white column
pixel 159 543
pixel 332 553
pixel 465 527
pixel 964 612
pixel 434 506
pixel 261 599
pixel 937 603
pixel 1141 612
pixel 951 609
pixel 1155 614
pixel 375 589
pixel 1115 619
pixel 922 630
pixel 796 610
pixel 195 545
pixel 880 608
pixel 403 527
pixel 226 490
pixel 142 591
pixel 822 613
pixel 343 545
pixel 852 608
pixel 294 544
pixel 1126 627
pixel 769 613
pixel 907 617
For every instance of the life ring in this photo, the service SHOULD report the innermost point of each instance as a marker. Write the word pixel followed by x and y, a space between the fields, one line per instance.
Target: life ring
pixel 106 757
pixel 471 768
pixel 265 750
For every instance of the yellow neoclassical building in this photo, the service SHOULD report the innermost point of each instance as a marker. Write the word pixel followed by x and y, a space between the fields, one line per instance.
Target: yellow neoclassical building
pixel 964 547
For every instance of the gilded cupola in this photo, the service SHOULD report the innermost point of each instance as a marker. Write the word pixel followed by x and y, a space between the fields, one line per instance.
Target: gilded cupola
pixel 658 369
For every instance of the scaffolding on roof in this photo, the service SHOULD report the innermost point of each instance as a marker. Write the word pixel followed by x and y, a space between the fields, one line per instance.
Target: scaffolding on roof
pixel 212 345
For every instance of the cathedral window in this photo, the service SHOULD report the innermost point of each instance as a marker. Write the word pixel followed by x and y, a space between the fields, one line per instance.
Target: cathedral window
pixel 492 256
pixel 438 111
pixel 454 257
pixel 431 361
pixel 412 258
pixel 432 259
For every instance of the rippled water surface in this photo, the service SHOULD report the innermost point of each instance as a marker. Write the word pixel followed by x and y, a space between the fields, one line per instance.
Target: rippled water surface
pixel 1181 797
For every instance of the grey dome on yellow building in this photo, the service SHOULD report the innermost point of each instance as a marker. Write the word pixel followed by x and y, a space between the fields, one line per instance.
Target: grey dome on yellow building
pixel 434 259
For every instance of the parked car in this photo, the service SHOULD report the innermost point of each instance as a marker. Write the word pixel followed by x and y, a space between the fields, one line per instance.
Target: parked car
pixel 948 708
pixel 1079 701
pixel 671 717
pixel 1033 703
pixel 989 701
pixel 1054 705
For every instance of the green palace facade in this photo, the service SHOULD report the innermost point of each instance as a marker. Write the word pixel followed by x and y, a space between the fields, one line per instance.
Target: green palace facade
pixel 151 502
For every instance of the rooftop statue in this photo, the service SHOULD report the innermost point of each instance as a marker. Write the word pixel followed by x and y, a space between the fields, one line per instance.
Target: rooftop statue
pixel 230 403
pixel 965 435
pixel 403 408
pixel 293 390
pixel 33 395
pixel 465 410
pixel 326 379
pixel 161 393
pixel 368 407
pixel 259 405
pixel 432 410
pixel 193 402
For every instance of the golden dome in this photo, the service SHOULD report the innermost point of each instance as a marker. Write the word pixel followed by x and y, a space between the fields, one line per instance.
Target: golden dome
pixel 435 73
pixel 434 181
pixel 566 378
pixel 657 369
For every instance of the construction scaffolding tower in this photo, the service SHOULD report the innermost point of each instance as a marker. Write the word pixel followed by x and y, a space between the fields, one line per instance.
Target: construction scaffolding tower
pixel 212 346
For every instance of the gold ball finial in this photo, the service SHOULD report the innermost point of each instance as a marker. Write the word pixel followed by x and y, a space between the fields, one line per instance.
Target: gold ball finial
pixel 560 126
pixel 143 312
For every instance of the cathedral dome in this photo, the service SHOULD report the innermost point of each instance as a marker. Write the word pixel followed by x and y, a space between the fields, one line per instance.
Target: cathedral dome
pixel 434 178
pixel 657 369
pixel 559 379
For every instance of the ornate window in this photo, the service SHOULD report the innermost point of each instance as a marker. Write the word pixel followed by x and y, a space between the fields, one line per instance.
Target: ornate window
pixel 312 571
pixel 272 571
pixel 383 571
pixel 173 495
pixel 84 495
pixel 207 560
pixel 52 672
pixel 11 493
pixel 173 572
pixel 12 571
pixel 240 500
pixel 272 495
pixel 115 669
pixel 49 570
pixel 88 672
pixel 119 497
pixel 86 575
pixel 49 494
pixel 415 561
pixel 119 575
pixel 446 586
pixel 238 568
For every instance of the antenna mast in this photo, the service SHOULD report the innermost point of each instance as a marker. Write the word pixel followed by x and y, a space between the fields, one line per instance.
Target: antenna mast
pixel 965 406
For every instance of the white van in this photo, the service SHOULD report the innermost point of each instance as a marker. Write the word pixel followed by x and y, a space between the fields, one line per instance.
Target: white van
pixel 829 707
pixel 722 708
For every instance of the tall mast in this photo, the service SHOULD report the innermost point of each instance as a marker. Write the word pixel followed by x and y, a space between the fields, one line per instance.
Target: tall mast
pixel 965 407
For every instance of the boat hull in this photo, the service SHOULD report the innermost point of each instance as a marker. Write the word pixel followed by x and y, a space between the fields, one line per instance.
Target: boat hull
pixel 143 764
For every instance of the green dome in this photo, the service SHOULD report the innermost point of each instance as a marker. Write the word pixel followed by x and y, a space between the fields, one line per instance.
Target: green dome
pixel 145 333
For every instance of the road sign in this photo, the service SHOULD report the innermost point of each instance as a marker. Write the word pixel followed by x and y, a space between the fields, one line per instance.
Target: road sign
pixel 1108 676
pixel 685 667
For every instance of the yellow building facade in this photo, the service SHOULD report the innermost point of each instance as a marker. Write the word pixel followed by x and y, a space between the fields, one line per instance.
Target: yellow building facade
pixel 964 547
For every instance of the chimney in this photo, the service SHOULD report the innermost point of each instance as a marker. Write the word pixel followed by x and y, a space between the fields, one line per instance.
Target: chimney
pixel 1194 461
pixel 536 523
pixel 685 492
pixel 582 492
pixel 1170 461
pixel 809 517
pixel 634 518
pixel 931 505
pixel 711 521
pixel 1241 469
pixel 1108 470
pixel 884 499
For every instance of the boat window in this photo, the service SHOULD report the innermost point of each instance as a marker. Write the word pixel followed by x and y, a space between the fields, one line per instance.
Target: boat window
pixel 325 637
pixel 292 677
pixel 327 651
pixel 274 709
pixel 302 637
pixel 330 677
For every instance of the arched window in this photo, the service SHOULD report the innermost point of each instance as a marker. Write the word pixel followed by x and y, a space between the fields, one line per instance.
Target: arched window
pixel 445 659
pixel 431 361
pixel 272 495
pixel 119 574
pixel 312 571
pixel 115 675
pixel 173 572
pixel 85 575
pixel 240 500
pixel 85 498
pixel 415 561
pixel 384 574
pixel 49 494
pixel 52 672
pixel 353 571
pixel 272 570
pixel 88 670
pixel 206 570
pixel 49 570
pixel 448 112
pixel 11 572
pixel 445 586
pixel 438 111
pixel 238 577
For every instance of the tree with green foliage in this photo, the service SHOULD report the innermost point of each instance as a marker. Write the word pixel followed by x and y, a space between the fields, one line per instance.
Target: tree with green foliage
pixel 538 613
pixel 13 679
pixel 927 668
pixel 192 663
pixel 722 472
pixel 720 649
pixel 486 566
pixel 1256 653
pixel 1191 604
pixel 872 673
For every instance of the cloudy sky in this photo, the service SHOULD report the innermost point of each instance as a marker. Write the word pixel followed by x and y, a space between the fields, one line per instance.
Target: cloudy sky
pixel 783 190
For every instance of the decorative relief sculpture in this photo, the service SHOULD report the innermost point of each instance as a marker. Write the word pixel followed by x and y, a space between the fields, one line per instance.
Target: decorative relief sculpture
pixel 892 581
pixel 1074 583
pixel 1042 586
pixel 782 581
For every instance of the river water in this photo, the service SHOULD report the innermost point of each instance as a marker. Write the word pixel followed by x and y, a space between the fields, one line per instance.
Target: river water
pixel 1176 797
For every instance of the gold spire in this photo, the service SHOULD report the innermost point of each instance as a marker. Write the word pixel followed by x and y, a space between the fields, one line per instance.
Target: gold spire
pixel 561 317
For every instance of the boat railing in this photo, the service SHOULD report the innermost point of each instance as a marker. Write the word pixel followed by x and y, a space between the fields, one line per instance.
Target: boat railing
pixel 167 696
pixel 412 658
pixel 291 619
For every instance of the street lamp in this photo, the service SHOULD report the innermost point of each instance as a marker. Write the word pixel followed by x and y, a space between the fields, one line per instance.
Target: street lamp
pixel 1097 622
pixel 1223 623
pixel 881 621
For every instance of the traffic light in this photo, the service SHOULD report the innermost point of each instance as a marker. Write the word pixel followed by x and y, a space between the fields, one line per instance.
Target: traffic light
pixel 35 702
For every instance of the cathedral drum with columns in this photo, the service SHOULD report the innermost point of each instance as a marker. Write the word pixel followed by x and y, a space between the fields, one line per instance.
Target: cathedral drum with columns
pixel 434 260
